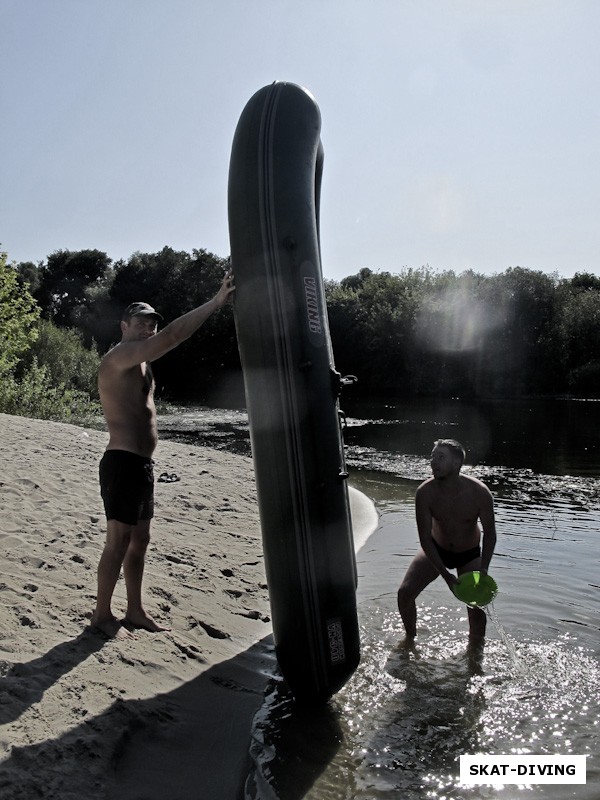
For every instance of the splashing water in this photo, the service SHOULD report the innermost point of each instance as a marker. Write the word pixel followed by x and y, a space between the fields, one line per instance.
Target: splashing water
pixel 519 666
pixel 398 728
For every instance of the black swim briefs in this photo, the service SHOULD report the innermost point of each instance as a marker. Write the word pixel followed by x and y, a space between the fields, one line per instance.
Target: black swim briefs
pixel 452 559
pixel 127 486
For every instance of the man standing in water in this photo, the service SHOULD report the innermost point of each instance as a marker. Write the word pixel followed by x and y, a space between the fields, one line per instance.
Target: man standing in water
pixel 448 507
pixel 126 390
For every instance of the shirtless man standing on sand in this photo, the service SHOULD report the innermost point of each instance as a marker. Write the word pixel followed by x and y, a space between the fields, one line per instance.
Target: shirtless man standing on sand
pixel 448 507
pixel 126 390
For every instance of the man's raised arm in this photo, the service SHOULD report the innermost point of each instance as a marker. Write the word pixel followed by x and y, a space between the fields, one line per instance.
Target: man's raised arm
pixel 129 353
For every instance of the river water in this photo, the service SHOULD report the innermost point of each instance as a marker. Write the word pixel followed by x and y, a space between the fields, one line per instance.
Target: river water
pixel 397 729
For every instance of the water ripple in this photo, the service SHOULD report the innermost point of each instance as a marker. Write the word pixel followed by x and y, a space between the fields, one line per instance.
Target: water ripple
pixel 399 726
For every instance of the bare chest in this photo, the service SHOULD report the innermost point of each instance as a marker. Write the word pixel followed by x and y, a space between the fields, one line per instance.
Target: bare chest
pixel 452 508
pixel 138 382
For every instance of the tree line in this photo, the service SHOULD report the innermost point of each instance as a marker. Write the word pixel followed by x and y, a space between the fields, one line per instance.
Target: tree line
pixel 517 333
pixel 417 332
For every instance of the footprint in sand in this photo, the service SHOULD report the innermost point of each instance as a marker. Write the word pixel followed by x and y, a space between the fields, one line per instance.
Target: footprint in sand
pixel 27 622
pixel 254 614
pixel 213 632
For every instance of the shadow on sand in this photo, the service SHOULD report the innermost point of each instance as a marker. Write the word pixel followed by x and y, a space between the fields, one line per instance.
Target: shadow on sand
pixel 192 743
pixel 25 683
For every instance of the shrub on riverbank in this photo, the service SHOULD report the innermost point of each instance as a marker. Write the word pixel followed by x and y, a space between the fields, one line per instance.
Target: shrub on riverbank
pixel 44 372
pixel 34 395
pixel 67 361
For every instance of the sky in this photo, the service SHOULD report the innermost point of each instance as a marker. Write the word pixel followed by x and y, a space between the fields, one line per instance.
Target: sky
pixel 458 134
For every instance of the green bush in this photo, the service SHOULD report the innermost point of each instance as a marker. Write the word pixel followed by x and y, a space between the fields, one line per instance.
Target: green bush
pixel 68 362
pixel 44 372
pixel 18 316
pixel 33 394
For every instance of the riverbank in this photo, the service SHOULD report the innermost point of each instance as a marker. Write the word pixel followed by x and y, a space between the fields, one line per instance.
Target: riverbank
pixel 80 714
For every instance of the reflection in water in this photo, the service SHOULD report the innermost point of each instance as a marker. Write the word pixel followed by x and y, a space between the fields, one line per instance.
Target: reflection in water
pixel 291 746
pixel 555 437
pixel 397 729
pixel 400 725
pixel 407 715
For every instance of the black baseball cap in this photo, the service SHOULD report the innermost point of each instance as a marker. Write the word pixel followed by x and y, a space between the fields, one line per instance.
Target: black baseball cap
pixel 135 309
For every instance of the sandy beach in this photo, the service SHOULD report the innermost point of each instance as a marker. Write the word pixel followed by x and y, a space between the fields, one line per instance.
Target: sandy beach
pixel 166 715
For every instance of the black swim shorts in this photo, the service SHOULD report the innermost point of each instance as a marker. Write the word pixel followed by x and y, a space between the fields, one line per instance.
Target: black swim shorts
pixel 452 559
pixel 127 486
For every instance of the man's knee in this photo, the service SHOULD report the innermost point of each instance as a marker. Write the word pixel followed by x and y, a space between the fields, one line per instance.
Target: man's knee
pixel 140 537
pixel 118 536
pixel 405 596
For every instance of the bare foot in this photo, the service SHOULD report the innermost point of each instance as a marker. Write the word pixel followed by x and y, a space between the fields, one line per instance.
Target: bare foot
pixel 408 643
pixel 111 627
pixel 145 622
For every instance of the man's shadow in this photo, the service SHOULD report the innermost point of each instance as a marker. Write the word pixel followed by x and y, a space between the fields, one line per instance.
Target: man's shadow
pixel 262 743
pixel 192 743
pixel 24 684
pixel 436 716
